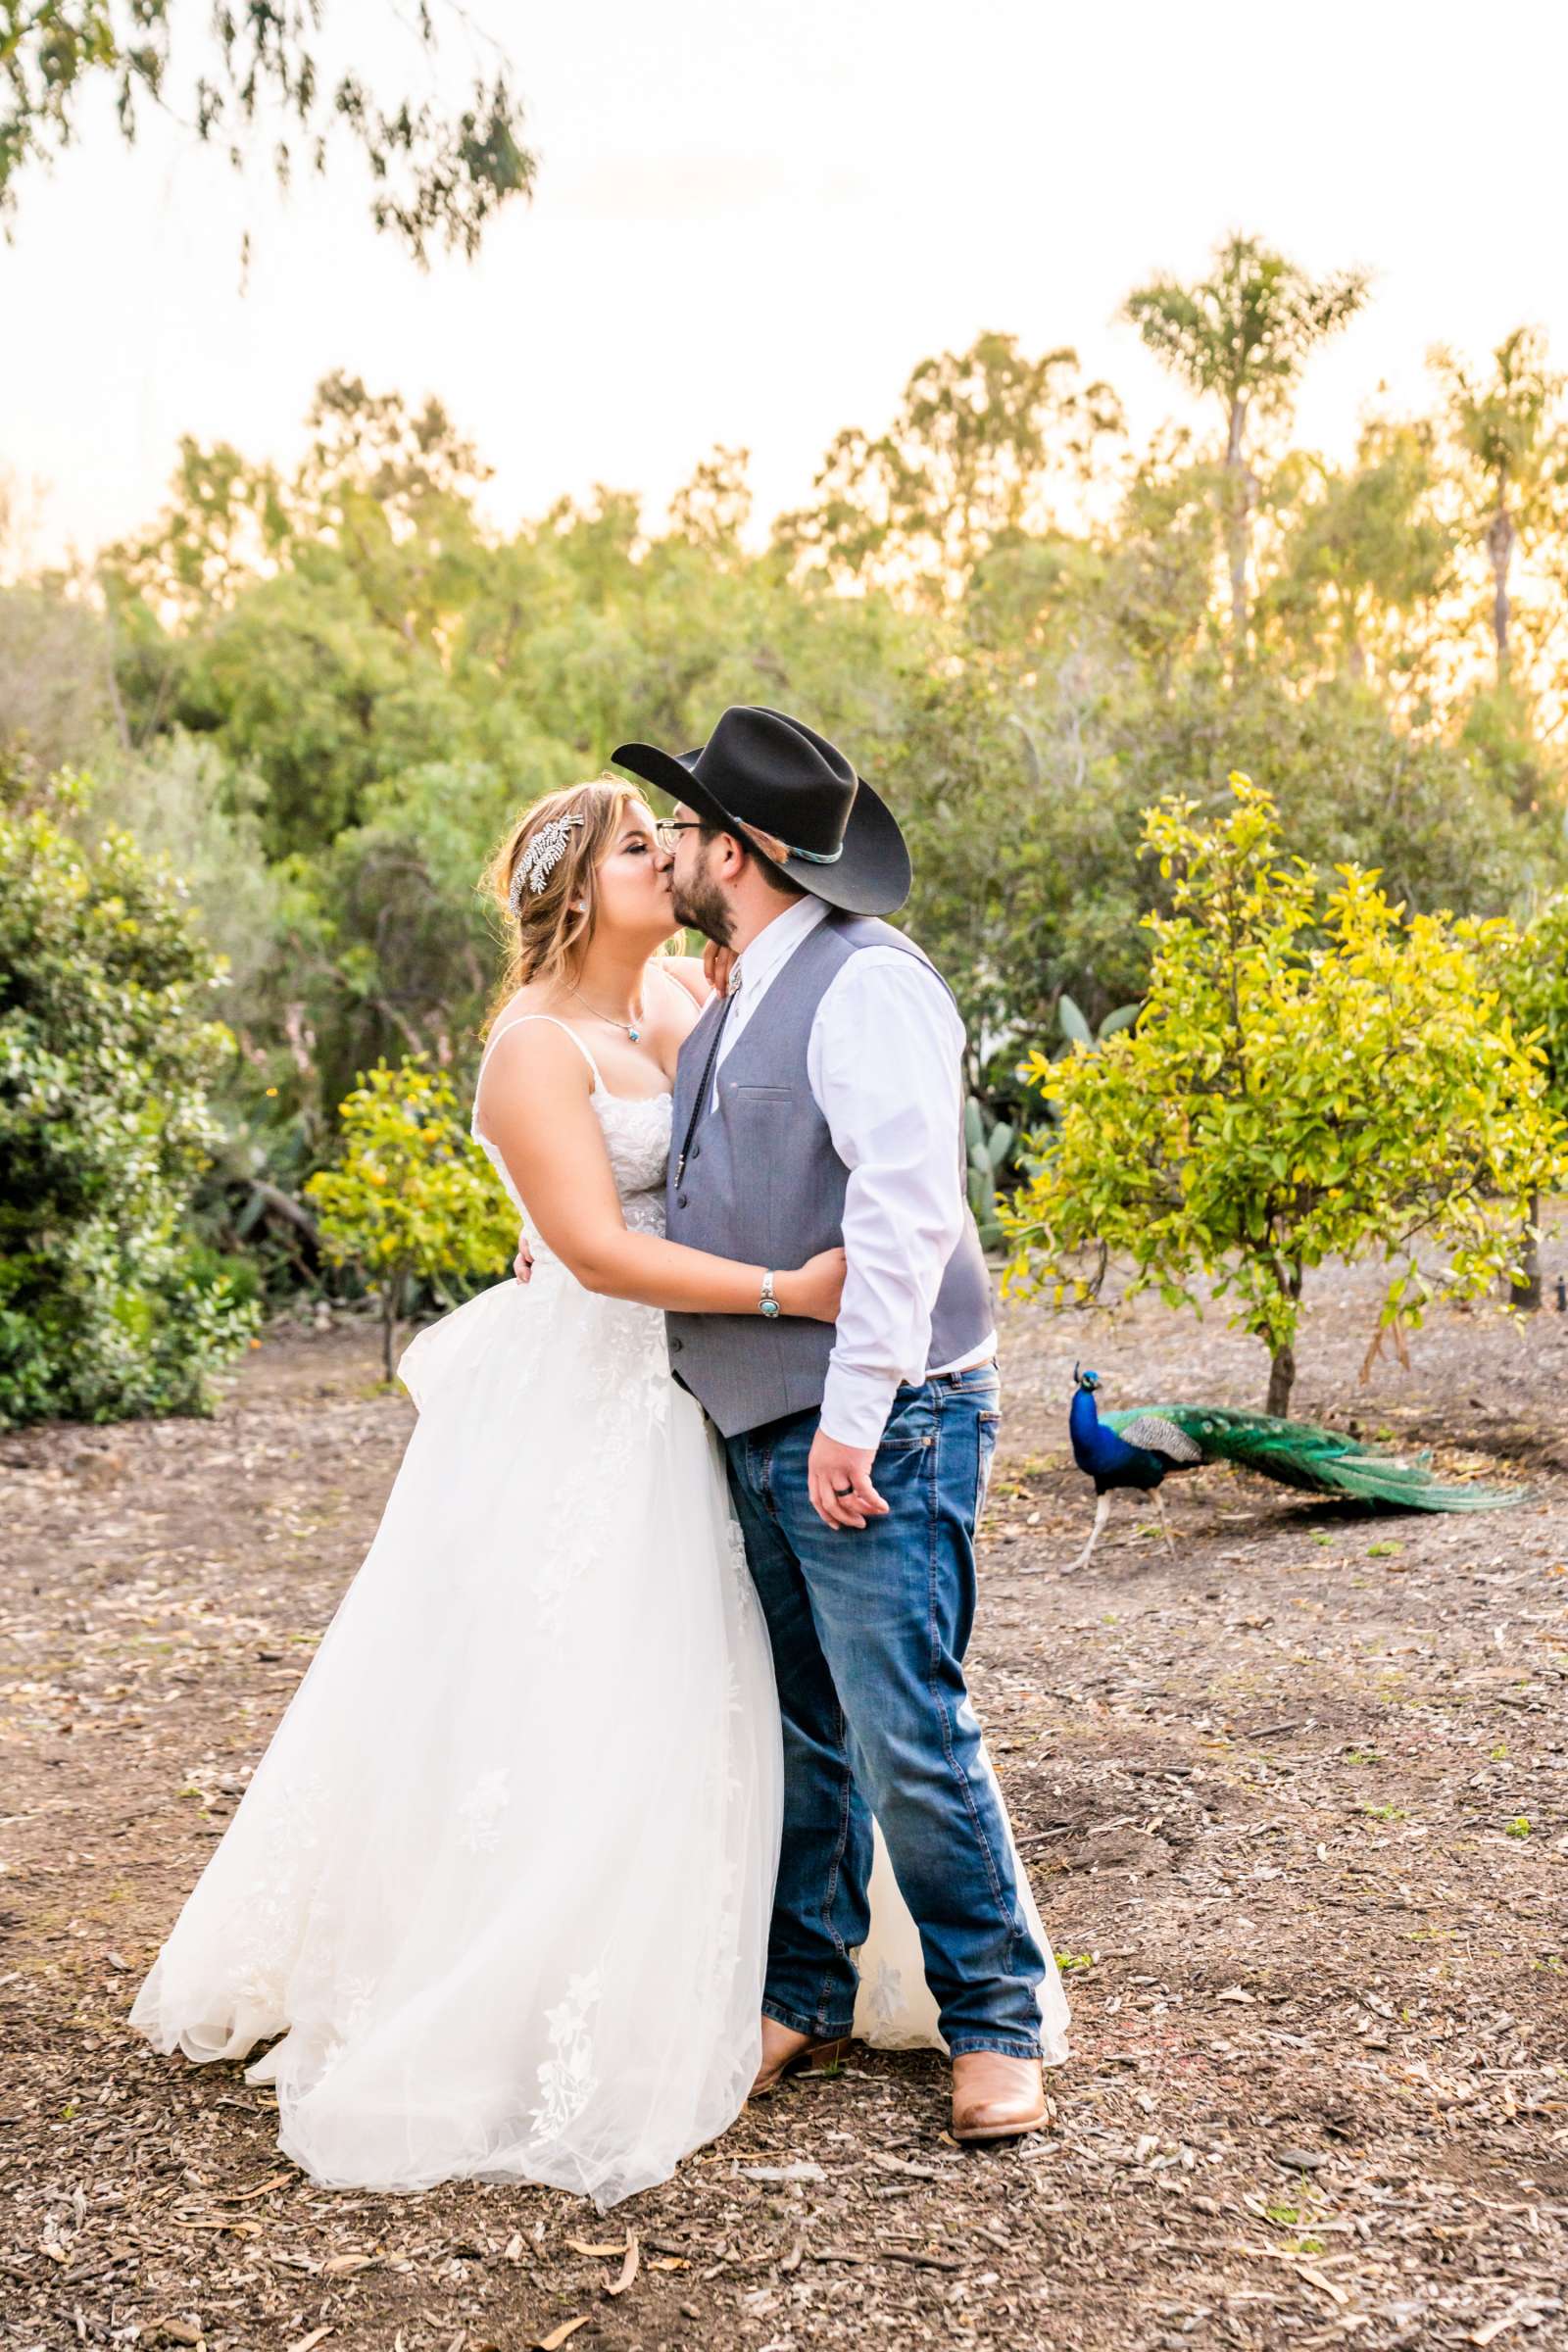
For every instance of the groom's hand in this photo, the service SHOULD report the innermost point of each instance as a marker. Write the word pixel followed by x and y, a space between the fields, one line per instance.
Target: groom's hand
pixel 522 1264
pixel 838 1479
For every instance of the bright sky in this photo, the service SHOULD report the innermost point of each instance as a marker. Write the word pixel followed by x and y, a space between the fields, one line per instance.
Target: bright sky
pixel 752 222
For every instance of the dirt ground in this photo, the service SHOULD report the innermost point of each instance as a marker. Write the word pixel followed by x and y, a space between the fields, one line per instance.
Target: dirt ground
pixel 1294 1804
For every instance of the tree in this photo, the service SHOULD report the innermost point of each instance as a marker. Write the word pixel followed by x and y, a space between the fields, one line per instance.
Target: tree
pixel 226 523
pixel 107 1057
pixel 1533 979
pixel 1155 596
pixel 57 686
pixel 1366 558
pixel 966 466
pixel 711 512
pixel 437 174
pixel 1243 336
pixel 1353 784
pixel 1312 1074
pixel 1511 436
pixel 1018 820
pixel 412 1199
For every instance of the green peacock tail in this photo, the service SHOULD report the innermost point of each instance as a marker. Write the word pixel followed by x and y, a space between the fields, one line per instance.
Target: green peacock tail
pixel 1322 1462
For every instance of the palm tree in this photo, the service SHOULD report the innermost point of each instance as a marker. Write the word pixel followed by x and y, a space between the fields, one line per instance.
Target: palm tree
pixel 1244 335
pixel 1511 432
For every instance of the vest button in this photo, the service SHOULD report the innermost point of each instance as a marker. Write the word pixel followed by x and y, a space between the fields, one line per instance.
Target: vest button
pixel 676 1347
pixel 697 1151
pixel 680 1201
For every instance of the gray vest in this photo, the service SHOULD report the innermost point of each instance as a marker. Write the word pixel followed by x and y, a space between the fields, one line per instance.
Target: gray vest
pixel 762 1181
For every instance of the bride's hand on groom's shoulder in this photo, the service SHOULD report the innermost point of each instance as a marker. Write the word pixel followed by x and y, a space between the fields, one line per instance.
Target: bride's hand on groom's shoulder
pixel 718 965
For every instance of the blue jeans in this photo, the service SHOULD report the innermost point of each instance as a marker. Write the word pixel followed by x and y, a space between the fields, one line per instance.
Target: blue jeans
pixel 869 1627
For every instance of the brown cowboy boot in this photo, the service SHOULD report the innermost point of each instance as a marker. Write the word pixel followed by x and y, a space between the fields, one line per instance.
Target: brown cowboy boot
pixel 997 2097
pixel 784 2050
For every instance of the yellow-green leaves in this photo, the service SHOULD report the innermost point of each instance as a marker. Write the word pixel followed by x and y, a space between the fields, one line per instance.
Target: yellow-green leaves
pixel 1313 1075
pixel 412 1196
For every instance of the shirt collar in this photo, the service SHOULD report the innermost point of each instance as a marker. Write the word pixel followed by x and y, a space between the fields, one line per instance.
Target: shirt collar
pixel 777 942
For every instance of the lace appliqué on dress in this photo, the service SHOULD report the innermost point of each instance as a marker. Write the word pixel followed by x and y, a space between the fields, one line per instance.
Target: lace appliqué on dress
pixel 482 1809
pixel 568 2081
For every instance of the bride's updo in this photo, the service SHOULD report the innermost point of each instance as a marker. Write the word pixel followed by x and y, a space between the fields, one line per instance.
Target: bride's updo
pixel 545 875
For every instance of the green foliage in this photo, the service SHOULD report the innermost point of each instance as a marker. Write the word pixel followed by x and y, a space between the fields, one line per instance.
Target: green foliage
pixel 260 87
pixel 1365 555
pixel 187 807
pixel 967 467
pixel 109 1052
pixel 1018 826
pixel 323 690
pixel 1533 978
pixel 989 1144
pixel 56 679
pixel 411 1198
pixel 1312 1074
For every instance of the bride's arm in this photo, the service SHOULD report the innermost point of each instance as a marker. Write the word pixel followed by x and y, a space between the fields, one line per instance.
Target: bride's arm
pixel 537 1110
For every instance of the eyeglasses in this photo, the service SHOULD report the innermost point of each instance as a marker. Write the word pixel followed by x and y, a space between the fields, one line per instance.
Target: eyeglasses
pixel 667 828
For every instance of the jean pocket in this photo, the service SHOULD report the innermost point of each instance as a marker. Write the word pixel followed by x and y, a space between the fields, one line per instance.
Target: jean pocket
pixel 987 1425
pixel 910 1424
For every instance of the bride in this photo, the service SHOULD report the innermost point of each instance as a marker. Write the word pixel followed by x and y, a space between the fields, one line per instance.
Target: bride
pixel 498 1895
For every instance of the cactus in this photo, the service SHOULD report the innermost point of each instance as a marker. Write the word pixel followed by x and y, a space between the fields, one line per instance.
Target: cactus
pixel 990 1145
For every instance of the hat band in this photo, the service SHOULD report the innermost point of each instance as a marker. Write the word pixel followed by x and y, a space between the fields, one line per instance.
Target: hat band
pixel 781 850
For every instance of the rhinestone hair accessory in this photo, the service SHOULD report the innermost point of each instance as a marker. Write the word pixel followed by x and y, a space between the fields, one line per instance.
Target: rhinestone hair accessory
pixel 540 858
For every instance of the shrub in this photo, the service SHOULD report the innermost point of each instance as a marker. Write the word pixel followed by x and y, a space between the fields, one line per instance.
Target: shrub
pixel 412 1199
pixel 108 1049
pixel 1311 1074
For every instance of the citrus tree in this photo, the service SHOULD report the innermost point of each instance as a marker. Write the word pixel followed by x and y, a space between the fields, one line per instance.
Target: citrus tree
pixel 109 1052
pixel 413 1200
pixel 1533 979
pixel 1313 1074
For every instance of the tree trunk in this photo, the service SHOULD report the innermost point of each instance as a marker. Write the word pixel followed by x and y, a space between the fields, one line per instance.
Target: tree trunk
pixel 1499 548
pixel 1281 1381
pixel 1239 525
pixel 283 1204
pixel 391 1303
pixel 1526 1293
pixel 1282 1360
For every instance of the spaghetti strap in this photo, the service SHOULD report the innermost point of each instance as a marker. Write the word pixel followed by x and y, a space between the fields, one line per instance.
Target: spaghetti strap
pixel 506 1030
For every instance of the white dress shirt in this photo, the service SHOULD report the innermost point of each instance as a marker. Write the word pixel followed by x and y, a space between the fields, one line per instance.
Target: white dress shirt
pixel 885 1065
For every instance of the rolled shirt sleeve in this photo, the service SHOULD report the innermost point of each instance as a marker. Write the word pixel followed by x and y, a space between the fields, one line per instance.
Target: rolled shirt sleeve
pixel 885 1064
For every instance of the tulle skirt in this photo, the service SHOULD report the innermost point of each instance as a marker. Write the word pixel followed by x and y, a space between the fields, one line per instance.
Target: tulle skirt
pixel 502 1882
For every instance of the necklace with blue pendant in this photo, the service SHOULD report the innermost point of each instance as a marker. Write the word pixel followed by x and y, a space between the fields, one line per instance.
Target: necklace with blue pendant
pixel 632 1029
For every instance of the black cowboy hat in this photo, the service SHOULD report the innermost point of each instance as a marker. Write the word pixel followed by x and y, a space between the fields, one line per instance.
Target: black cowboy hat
pixel 822 826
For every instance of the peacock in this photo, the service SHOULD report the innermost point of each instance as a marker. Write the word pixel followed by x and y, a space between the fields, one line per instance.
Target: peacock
pixel 1141 1445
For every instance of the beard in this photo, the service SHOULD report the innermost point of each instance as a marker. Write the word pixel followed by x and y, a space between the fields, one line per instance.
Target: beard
pixel 700 905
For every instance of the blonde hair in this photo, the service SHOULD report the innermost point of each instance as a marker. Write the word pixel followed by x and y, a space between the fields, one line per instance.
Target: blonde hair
pixel 547 925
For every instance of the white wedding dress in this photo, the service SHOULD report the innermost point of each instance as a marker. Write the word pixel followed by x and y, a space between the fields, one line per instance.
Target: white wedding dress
pixel 501 1880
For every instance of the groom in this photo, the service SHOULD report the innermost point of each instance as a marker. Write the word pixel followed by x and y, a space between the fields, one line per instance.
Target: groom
pixel 819 1100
